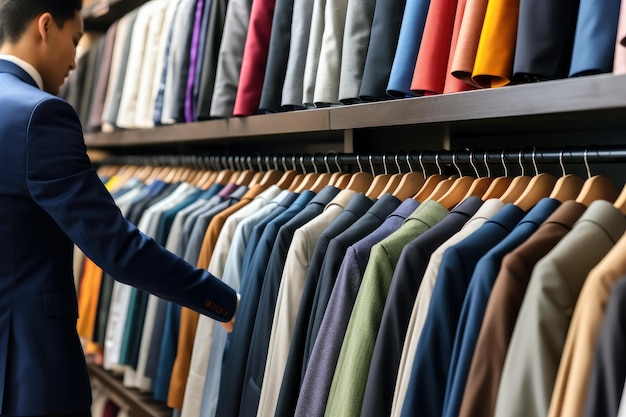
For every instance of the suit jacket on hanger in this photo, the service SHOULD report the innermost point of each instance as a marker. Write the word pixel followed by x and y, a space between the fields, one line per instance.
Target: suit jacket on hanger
pixel 479 397
pixel 397 312
pixel 348 386
pixel 321 366
pixel 478 294
pixel 290 385
pixel 572 381
pixel 426 389
pixel 424 295
pixel 235 358
pixel 259 345
pixel 538 338
pixel 288 302
pixel 232 273
pixel 606 381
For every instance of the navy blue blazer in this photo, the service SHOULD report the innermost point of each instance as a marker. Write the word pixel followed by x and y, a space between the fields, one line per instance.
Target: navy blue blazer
pixel 51 198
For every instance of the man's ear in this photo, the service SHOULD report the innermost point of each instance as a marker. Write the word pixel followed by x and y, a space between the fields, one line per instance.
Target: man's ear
pixel 44 23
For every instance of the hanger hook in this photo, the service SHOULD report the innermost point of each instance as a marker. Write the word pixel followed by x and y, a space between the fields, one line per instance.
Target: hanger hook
pixel 395 159
pixel 535 161
pixel 471 159
pixel 455 164
pixel 326 163
pixel 420 158
pixel 302 164
pixel 561 162
pixel 259 161
pixel 337 162
pixel 438 163
pixel 506 169
pixel 520 162
pixel 408 161
pixel 358 162
pixel 486 162
pixel 385 163
pixel 314 164
pixel 371 165
pixel 585 157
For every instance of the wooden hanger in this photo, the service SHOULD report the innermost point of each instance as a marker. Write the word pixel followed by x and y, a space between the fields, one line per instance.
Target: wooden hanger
pixel 517 185
pixel 379 182
pixel 359 181
pixel 435 185
pixel 540 186
pixel 481 184
pixel 620 201
pixel 410 182
pixel 597 187
pixel 567 186
pixel 324 178
pixel 245 174
pixel 334 176
pixel 499 185
pixel 308 180
pixel 288 175
pixel 457 190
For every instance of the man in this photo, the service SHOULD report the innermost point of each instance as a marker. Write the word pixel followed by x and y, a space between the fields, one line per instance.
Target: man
pixel 50 198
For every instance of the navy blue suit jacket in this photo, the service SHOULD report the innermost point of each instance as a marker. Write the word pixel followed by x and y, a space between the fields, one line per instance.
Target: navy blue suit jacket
pixel 51 198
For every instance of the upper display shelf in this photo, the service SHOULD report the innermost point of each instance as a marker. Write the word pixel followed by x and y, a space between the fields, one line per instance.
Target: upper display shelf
pixel 99 15
pixel 583 104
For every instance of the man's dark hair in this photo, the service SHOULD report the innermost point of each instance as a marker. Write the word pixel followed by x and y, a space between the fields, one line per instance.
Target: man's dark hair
pixel 16 14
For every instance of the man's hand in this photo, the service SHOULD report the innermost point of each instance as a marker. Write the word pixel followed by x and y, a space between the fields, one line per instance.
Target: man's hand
pixel 229 325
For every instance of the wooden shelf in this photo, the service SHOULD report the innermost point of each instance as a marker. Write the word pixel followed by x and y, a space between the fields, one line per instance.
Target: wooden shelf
pixel 562 105
pixel 100 15
pixel 280 126
pixel 138 404
pixel 548 98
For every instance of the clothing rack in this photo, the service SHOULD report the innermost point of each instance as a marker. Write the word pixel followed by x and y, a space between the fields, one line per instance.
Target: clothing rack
pixel 399 161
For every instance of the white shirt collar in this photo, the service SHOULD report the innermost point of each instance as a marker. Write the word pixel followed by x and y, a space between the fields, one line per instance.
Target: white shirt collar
pixel 26 67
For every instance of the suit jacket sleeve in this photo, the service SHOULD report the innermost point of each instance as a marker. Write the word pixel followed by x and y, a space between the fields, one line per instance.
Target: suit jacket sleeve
pixel 61 180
